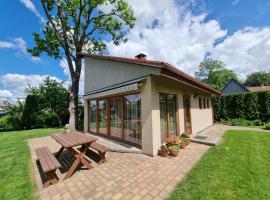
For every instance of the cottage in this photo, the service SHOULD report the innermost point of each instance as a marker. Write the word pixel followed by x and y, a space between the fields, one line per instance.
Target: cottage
pixel 142 102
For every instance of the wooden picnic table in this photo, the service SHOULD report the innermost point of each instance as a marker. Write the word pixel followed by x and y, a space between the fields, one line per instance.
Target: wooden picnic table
pixel 73 139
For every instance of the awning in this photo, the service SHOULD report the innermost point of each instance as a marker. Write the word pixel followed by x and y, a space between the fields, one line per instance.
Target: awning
pixel 129 86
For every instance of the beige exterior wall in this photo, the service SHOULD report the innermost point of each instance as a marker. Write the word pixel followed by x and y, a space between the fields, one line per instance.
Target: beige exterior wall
pixel 151 136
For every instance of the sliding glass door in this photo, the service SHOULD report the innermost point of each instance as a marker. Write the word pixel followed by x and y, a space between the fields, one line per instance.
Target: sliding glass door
pixel 132 120
pixel 115 118
pixel 102 117
pixel 168 113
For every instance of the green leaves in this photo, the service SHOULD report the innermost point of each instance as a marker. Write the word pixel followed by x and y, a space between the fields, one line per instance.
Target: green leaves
pixel 81 25
pixel 214 73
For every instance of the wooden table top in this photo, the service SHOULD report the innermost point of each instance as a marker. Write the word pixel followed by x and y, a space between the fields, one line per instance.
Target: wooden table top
pixel 73 138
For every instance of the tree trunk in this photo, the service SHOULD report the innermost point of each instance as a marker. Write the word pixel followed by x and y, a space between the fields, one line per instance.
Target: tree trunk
pixel 73 104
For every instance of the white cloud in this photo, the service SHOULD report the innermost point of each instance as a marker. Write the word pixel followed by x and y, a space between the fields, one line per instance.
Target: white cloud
pixel 29 5
pixel 170 32
pixel 16 83
pixel 235 2
pixel 63 64
pixel 5 94
pixel 19 44
pixel 245 51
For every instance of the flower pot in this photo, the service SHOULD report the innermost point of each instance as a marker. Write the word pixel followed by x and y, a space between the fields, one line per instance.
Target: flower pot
pixel 163 153
pixel 174 153
pixel 183 145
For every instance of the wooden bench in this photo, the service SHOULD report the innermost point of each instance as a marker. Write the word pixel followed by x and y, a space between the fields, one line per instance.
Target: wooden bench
pixel 49 165
pixel 101 151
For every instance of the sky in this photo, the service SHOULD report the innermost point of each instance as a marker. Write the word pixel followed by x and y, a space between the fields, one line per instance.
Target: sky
pixel 180 32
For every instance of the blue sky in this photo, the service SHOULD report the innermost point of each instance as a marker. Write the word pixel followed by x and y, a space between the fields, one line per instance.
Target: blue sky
pixel 215 27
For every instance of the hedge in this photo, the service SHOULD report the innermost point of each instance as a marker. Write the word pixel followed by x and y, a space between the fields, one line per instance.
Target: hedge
pixel 249 106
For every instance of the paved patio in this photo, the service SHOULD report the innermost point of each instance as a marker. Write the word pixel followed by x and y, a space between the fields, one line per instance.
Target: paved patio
pixel 124 176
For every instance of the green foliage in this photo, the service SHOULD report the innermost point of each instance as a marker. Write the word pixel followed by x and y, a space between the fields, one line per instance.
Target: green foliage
pixel 76 26
pixel 48 119
pixel 52 95
pixel 10 123
pixel 267 126
pixel 30 110
pixel 243 122
pixel 214 73
pixel 249 106
pixel 258 79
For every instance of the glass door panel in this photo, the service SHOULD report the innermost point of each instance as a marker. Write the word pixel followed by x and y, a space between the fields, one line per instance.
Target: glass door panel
pixel 163 117
pixel 168 122
pixel 187 114
pixel 115 118
pixel 132 120
pixel 102 116
pixel 171 102
pixel 93 116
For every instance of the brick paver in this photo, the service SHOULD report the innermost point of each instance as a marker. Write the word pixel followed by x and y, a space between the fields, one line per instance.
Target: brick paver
pixel 124 176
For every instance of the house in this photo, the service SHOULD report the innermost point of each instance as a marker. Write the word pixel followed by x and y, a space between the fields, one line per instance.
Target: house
pixel 233 87
pixel 142 102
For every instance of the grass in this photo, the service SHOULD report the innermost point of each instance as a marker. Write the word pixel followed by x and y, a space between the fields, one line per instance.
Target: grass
pixel 16 178
pixel 237 169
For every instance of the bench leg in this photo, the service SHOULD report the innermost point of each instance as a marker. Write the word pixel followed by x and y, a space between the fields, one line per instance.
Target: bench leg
pixel 102 158
pixel 51 179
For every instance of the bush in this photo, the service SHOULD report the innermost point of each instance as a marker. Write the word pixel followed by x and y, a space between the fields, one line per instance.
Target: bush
pixel 47 119
pixel 10 123
pixel 29 115
pixel 249 106
pixel 244 122
pixel 267 126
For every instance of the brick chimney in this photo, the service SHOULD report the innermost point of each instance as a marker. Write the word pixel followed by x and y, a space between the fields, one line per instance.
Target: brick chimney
pixel 141 56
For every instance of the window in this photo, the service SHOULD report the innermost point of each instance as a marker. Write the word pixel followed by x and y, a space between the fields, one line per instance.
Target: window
pixel 207 103
pixel 93 116
pixel 204 103
pixel 118 117
pixel 132 119
pixel 102 117
pixel 200 103
pixel 168 124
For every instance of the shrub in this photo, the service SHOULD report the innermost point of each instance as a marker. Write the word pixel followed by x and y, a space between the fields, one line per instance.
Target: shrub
pixel 250 106
pixel 10 123
pixel 244 122
pixel 29 115
pixel 267 126
pixel 48 119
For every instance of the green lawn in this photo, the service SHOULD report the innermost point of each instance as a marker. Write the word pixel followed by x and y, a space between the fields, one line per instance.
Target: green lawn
pixel 16 178
pixel 237 169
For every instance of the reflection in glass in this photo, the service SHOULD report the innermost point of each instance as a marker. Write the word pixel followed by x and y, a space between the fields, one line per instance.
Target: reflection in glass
pixel 93 116
pixel 102 116
pixel 115 118
pixel 132 120
pixel 172 114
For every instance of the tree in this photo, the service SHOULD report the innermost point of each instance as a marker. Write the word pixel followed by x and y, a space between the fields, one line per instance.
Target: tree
pixel 214 73
pixel 30 111
pixel 52 95
pixel 76 26
pixel 258 79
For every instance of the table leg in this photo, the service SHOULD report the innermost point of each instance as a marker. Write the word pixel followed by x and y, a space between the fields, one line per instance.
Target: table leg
pixel 73 166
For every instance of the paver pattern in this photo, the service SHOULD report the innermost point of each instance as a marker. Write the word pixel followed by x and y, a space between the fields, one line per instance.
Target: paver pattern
pixel 124 176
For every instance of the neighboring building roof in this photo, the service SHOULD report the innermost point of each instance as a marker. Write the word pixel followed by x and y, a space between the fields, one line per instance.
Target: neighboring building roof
pixel 233 86
pixel 167 70
pixel 259 88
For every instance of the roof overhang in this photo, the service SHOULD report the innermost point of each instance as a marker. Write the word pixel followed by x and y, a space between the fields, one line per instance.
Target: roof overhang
pixel 167 71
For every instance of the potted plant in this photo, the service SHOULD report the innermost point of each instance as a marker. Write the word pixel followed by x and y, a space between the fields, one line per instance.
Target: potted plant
pixel 163 150
pixel 173 140
pixel 185 140
pixel 174 150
